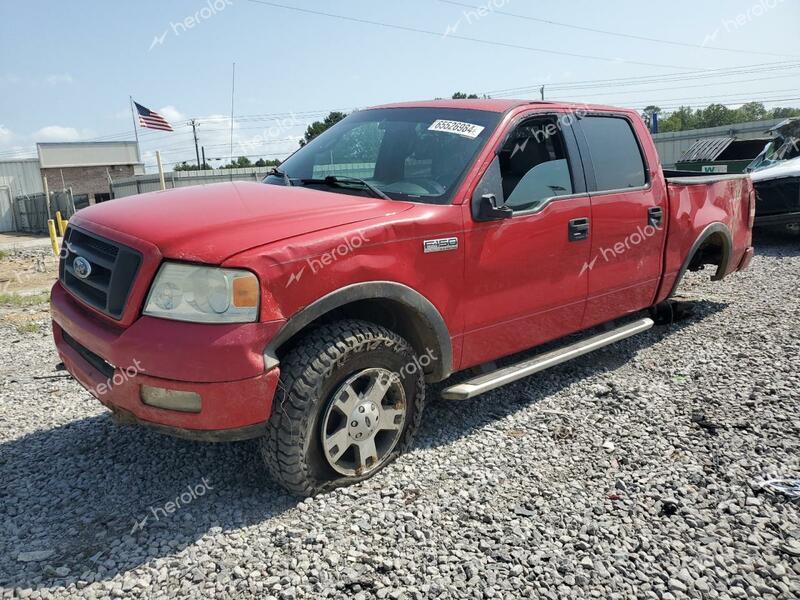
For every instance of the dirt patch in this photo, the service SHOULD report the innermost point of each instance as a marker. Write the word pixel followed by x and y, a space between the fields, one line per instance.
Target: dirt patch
pixel 26 277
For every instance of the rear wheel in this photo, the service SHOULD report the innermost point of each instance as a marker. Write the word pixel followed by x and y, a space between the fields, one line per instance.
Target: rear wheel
pixel 349 401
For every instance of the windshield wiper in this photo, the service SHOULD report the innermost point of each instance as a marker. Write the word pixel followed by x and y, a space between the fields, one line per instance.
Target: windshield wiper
pixel 278 173
pixel 335 180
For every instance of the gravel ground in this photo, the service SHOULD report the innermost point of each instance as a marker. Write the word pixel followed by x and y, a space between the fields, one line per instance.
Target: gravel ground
pixel 628 473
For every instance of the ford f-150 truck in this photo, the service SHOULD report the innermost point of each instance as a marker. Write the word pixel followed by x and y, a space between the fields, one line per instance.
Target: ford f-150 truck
pixel 404 244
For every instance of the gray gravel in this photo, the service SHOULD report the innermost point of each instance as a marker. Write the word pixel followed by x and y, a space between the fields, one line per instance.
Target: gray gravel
pixel 629 473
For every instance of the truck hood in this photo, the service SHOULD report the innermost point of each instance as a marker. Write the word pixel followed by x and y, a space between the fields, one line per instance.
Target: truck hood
pixel 210 223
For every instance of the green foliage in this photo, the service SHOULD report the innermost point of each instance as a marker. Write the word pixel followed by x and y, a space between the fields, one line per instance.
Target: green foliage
pixel 3 255
pixel 463 96
pixel 271 162
pixel 318 127
pixel 187 166
pixel 29 327
pixel 241 162
pixel 20 301
pixel 715 115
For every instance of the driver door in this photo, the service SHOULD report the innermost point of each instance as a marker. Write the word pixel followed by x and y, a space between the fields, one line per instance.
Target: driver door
pixel 527 275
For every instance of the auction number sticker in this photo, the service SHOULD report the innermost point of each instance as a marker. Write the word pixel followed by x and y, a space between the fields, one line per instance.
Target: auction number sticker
pixel 468 130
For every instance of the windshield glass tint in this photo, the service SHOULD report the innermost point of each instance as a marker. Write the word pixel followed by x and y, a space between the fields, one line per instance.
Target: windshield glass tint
pixel 417 154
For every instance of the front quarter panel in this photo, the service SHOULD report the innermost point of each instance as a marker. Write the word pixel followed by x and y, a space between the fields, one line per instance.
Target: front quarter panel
pixel 295 273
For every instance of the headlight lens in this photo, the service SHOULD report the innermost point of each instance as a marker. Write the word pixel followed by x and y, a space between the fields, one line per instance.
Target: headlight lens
pixel 203 294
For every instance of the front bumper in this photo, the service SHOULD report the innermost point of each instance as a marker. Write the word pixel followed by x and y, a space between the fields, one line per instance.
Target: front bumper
pixel 221 363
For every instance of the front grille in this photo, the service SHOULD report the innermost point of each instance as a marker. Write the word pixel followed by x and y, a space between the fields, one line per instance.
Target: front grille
pixel 93 359
pixel 113 270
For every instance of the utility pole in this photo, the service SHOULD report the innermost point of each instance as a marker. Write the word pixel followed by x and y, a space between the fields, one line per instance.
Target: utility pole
pixel 204 157
pixel 541 91
pixel 194 124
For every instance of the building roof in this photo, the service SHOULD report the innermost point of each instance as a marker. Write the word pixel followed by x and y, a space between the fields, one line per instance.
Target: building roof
pixel 87 154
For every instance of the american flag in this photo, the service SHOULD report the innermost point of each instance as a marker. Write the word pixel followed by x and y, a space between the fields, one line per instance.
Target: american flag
pixel 150 118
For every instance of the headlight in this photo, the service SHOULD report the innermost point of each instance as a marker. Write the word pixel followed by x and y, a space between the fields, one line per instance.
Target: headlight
pixel 203 294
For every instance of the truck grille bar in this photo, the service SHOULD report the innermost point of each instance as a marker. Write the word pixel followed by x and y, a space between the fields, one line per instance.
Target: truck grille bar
pixel 111 273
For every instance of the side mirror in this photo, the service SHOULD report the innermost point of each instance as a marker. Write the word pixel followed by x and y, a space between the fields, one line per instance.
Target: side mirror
pixel 490 209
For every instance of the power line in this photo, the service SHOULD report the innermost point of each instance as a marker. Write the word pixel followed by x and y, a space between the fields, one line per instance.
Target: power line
pixel 449 34
pixel 616 33
pixel 644 80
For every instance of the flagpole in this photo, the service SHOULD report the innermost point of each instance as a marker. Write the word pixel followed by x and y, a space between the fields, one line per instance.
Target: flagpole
pixel 135 131
pixel 233 87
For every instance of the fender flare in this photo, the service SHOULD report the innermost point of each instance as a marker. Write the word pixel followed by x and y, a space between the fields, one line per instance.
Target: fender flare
pixel 727 253
pixel 370 290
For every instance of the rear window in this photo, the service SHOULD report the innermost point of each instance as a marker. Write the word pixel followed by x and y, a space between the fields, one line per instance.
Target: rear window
pixel 617 159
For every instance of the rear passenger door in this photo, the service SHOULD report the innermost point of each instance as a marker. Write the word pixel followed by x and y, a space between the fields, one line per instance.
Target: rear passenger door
pixel 627 217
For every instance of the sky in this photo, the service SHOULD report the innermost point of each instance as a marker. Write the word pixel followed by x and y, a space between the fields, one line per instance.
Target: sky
pixel 67 68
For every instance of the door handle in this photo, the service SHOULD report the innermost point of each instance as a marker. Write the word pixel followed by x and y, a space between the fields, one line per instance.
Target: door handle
pixel 578 229
pixel 655 216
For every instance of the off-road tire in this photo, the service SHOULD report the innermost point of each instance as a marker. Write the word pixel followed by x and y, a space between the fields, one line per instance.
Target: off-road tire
pixel 310 372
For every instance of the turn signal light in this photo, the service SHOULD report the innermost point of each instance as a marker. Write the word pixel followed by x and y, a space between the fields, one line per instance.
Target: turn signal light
pixel 245 292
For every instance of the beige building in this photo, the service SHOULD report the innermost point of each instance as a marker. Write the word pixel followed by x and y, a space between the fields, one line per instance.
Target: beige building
pixel 88 167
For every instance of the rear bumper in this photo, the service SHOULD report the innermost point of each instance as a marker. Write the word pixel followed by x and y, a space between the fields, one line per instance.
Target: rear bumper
pixel 113 364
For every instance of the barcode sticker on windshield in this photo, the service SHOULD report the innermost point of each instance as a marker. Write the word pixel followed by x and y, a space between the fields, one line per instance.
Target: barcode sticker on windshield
pixel 465 129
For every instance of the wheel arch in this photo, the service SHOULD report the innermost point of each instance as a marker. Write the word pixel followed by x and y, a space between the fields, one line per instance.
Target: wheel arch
pixel 714 246
pixel 393 305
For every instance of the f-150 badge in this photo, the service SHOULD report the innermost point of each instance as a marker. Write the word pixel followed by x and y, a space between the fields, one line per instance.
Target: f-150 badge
pixel 440 245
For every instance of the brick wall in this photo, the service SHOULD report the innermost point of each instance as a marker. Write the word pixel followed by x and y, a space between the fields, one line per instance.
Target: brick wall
pixel 86 180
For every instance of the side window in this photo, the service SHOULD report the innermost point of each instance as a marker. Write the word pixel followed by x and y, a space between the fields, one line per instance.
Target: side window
pixel 617 159
pixel 533 165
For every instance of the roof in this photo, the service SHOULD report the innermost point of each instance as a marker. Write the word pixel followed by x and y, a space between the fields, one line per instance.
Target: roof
pixel 87 154
pixel 499 105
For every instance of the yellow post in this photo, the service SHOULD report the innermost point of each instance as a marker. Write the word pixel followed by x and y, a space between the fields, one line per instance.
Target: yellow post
pixel 51 227
pixel 62 225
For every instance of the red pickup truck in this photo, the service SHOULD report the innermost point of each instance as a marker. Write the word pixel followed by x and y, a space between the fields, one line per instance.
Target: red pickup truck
pixel 405 243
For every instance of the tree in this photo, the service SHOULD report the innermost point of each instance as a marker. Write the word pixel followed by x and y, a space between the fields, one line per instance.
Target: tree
pixel 185 166
pixel 271 162
pixel 784 113
pixel 463 96
pixel 240 163
pixel 318 127
pixel 752 111
pixel 715 115
pixel 682 119
pixel 648 112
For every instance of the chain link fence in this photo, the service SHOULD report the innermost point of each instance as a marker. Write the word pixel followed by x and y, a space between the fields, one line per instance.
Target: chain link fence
pixel 141 184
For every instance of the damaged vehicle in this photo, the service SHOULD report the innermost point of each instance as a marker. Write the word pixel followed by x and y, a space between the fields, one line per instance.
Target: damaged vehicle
pixel 776 177
pixel 404 244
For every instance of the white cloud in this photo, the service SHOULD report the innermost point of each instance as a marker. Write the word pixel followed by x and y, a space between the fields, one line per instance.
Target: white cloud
pixel 9 79
pixel 58 79
pixel 58 133
pixel 171 114
pixel 6 135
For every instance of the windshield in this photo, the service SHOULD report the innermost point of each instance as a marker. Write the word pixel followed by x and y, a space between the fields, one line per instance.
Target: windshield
pixel 777 151
pixel 417 154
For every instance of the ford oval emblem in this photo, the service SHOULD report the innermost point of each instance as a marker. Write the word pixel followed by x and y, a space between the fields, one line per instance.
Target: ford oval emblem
pixel 82 267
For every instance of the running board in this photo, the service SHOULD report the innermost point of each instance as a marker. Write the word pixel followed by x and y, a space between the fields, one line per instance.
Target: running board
pixel 490 381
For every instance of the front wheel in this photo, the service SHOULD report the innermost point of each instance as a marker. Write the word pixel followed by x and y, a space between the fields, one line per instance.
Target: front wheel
pixel 349 401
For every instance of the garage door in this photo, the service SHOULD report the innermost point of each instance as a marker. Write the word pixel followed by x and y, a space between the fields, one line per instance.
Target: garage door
pixel 6 213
